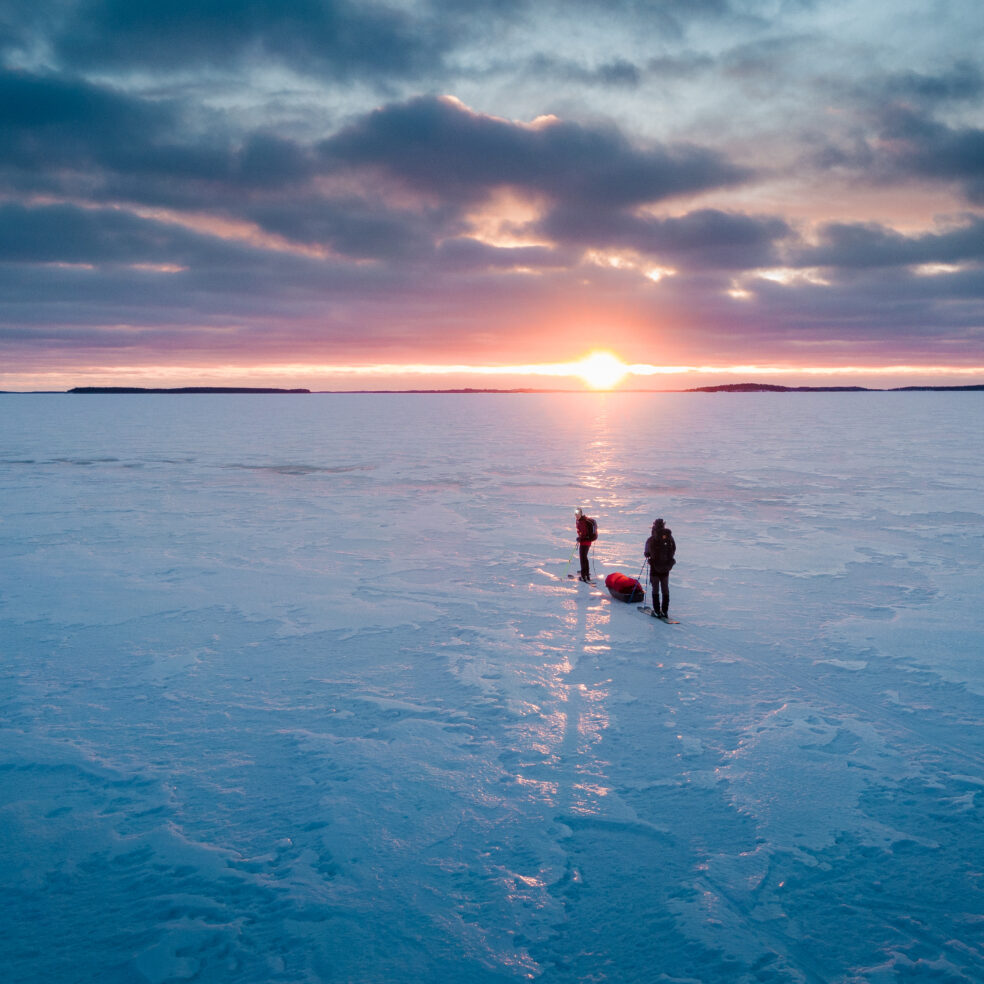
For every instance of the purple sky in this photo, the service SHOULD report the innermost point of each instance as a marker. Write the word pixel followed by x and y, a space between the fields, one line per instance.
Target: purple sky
pixel 255 193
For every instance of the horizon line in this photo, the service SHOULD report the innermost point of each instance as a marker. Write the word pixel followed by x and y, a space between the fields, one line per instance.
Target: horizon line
pixel 192 390
pixel 570 369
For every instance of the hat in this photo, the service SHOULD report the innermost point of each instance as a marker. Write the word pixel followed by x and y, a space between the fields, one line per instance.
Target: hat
pixel 578 512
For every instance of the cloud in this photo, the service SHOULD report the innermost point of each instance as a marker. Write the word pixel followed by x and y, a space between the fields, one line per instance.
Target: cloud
pixel 617 72
pixel 71 137
pixel 338 39
pixel 49 121
pixel 72 235
pixel 114 148
pixel 666 19
pixel 465 253
pixel 855 246
pixel 919 146
pixel 958 82
pixel 884 305
pixel 895 127
pixel 705 238
pixel 227 208
pixel 356 227
pixel 230 300
pixel 438 146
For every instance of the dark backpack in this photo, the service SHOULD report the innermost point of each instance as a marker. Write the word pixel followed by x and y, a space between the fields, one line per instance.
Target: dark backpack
pixel 592 529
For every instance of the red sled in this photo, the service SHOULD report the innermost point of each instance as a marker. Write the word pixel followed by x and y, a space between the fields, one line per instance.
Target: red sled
pixel 624 588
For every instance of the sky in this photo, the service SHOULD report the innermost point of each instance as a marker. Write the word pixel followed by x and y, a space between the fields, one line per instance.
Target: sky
pixel 440 193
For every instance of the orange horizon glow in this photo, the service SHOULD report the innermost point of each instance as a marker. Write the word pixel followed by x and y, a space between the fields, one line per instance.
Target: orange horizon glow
pixel 599 370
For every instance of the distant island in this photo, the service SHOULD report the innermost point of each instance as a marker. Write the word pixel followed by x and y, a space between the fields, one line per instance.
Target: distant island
pixel 769 388
pixel 183 389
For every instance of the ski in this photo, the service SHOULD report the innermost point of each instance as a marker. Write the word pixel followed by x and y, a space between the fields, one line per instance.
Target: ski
pixel 577 577
pixel 649 611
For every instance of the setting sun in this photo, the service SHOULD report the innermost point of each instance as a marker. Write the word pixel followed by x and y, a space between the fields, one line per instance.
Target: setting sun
pixel 602 370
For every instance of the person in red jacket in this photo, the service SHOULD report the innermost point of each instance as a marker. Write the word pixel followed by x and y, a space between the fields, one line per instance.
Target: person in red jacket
pixel 587 533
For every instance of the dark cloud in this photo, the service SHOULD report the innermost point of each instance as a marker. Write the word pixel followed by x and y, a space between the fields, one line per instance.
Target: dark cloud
pixel 859 245
pixel 439 146
pixel 207 172
pixel 765 60
pixel 47 122
pixel 922 147
pixel 356 227
pixel 265 160
pixel 880 305
pixel 685 65
pixel 706 238
pixel 898 143
pixel 66 266
pixel 69 136
pixel 72 235
pixel 617 73
pixel 72 137
pixel 328 38
pixel 961 81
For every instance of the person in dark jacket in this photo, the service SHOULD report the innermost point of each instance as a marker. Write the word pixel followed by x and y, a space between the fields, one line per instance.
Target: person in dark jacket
pixel 661 552
pixel 587 533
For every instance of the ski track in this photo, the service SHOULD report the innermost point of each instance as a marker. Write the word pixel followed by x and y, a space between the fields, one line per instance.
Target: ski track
pixel 296 690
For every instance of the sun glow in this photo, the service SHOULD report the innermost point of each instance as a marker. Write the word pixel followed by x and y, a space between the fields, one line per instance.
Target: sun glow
pixel 601 370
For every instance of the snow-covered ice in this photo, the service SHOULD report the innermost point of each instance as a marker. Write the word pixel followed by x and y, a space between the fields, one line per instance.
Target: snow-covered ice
pixel 294 689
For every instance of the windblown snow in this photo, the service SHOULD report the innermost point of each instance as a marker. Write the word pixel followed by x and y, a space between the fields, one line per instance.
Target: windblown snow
pixel 295 689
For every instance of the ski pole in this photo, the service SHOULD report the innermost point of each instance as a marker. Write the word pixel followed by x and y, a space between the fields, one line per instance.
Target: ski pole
pixel 569 559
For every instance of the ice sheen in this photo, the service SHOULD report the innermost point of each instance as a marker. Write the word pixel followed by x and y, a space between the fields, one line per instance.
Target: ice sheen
pixel 293 689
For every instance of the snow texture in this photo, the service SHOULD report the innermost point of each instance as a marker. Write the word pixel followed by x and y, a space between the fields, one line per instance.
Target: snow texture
pixel 295 689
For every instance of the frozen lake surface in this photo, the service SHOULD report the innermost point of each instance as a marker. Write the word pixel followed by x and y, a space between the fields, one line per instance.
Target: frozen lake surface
pixel 294 689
